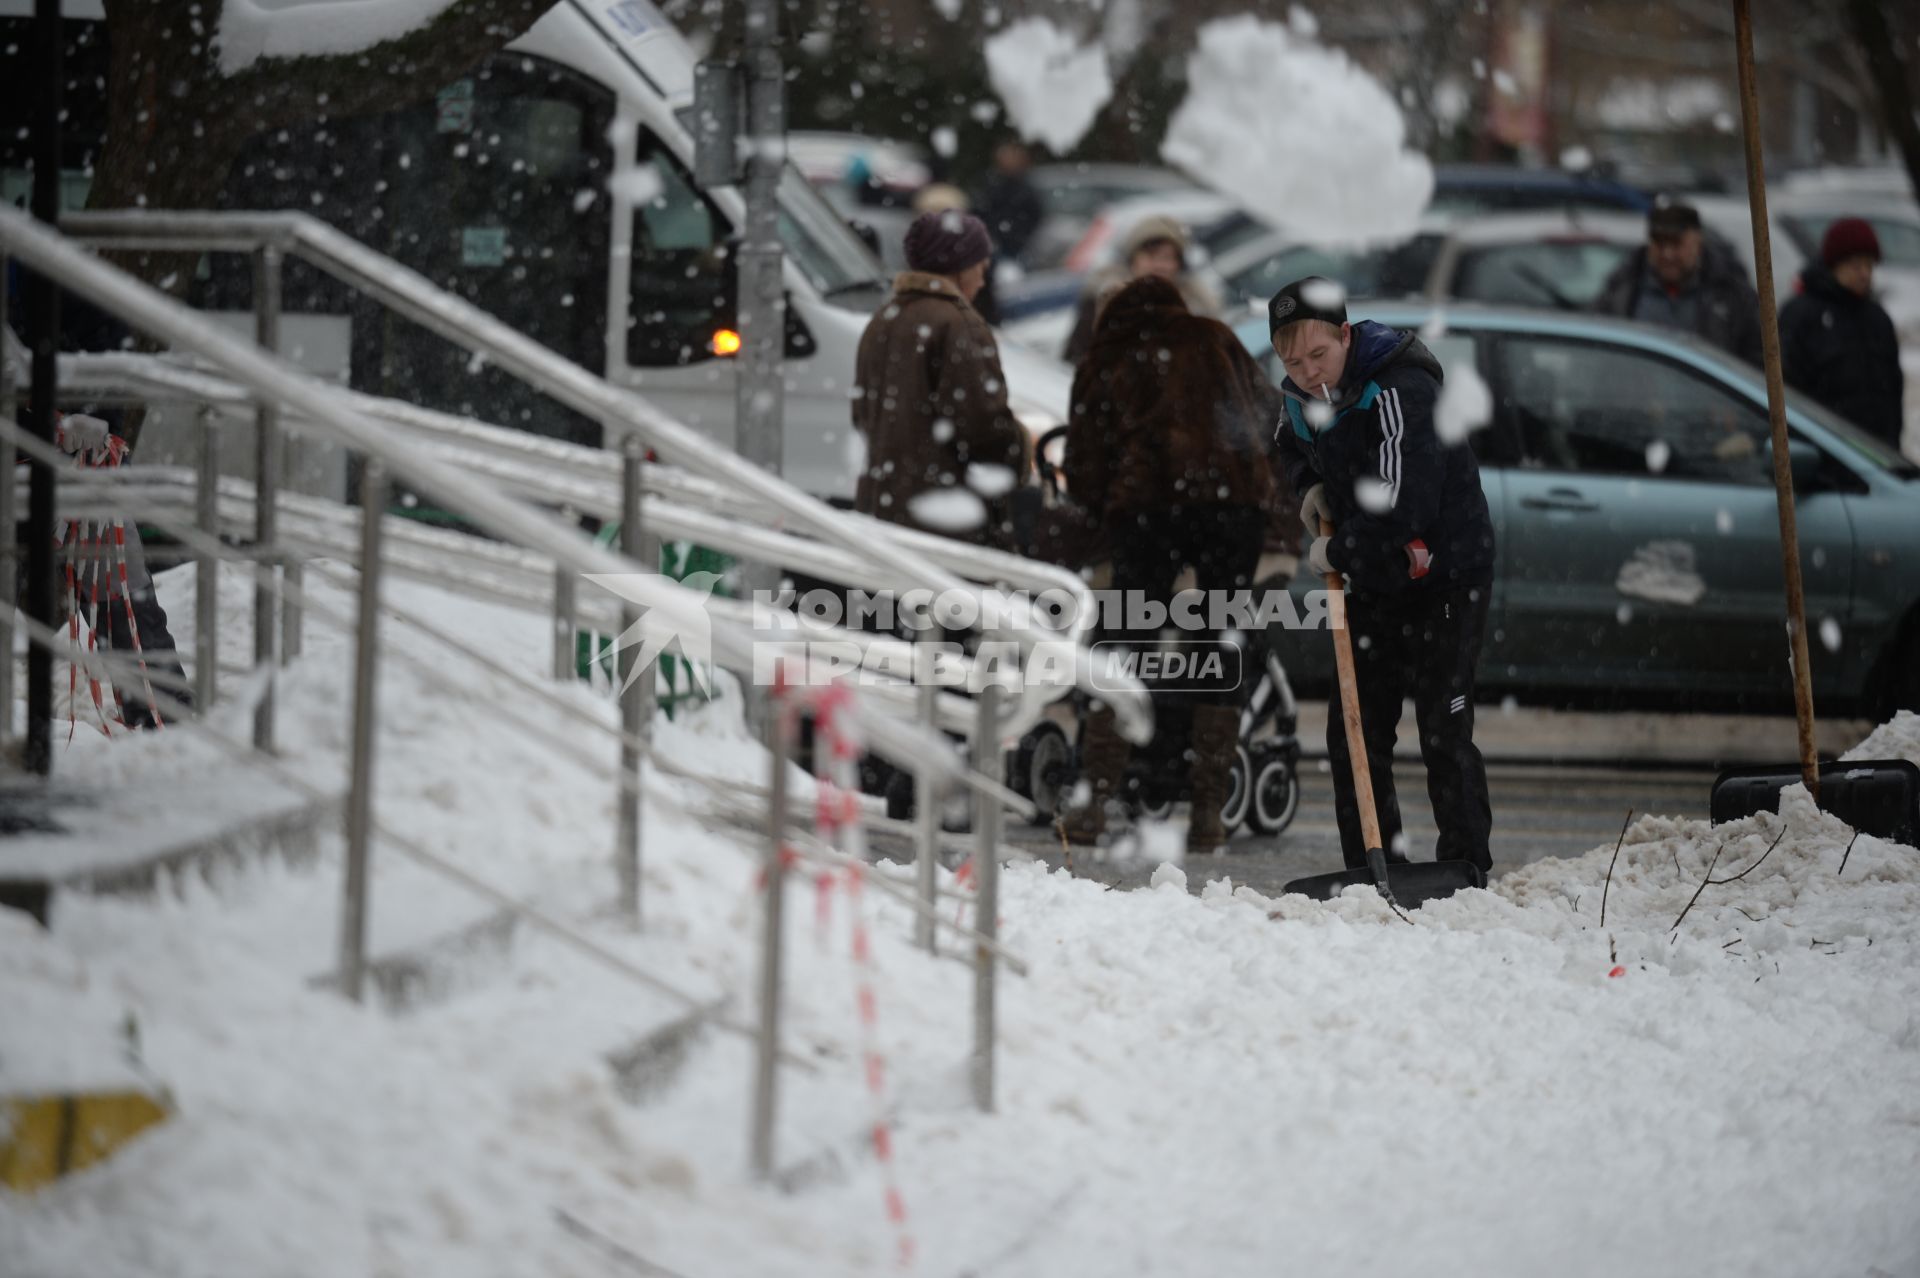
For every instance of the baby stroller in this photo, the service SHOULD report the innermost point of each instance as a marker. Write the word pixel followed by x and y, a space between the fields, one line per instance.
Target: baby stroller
pixel 1045 768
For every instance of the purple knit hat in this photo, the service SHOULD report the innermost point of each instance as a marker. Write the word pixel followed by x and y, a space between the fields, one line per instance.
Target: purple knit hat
pixel 947 243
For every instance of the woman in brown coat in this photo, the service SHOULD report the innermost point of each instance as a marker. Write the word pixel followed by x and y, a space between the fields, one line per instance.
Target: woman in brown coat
pixel 1167 446
pixel 943 450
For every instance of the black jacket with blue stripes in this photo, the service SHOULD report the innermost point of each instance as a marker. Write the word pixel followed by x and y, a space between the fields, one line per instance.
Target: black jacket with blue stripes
pixel 1389 478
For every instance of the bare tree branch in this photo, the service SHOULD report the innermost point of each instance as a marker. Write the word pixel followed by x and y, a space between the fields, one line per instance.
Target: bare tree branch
pixel 1616 856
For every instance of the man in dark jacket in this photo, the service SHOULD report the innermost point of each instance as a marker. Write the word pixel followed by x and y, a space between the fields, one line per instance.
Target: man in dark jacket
pixel 943 450
pixel 1413 538
pixel 1167 448
pixel 1683 280
pixel 1012 208
pixel 1836 342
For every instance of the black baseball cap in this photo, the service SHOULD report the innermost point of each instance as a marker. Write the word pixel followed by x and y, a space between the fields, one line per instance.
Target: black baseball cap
pixel 1669 217
pixel 1314 297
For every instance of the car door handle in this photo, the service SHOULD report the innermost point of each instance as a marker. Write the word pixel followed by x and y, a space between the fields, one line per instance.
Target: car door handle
pixel 1559 499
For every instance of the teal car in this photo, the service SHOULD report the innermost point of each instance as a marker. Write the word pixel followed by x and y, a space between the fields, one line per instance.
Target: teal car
pixel 1629 473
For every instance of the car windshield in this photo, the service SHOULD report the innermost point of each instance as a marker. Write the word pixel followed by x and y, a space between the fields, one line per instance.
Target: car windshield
pixel 1566 274
pixel 820 243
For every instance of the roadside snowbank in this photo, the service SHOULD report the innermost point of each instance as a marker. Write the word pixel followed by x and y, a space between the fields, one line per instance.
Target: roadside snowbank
pixel 1221 1084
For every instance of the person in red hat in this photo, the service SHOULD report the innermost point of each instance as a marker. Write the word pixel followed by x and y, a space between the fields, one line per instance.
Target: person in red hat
pixel 1836 342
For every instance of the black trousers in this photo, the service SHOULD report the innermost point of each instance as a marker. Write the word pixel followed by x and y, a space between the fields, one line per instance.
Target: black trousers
pixel 1222 543
pixel 1424 645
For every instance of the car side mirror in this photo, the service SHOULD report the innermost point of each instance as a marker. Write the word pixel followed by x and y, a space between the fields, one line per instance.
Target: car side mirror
pixel 1807 463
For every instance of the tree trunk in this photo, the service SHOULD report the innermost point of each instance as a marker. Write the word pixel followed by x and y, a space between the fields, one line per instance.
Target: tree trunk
pixel 1891 85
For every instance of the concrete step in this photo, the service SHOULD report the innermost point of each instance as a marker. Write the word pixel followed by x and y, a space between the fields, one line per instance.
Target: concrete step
pixel 134 839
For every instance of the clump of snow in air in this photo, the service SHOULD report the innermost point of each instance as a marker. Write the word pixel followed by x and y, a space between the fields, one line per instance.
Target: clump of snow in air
pixel 945 141
pixel 1324 294
pixel 1662 572
pixel 1465 405
pixel 1297 133
pixel 948 9
pixel 1052 85
pixel 1576 159
pixel 254 29
pixel 638 185
pixel 990 480
pixel 1374 496
pixel 948 510
pixel 1830 634
pixel 1723 521
pixel 1659 453
pixel 1319 414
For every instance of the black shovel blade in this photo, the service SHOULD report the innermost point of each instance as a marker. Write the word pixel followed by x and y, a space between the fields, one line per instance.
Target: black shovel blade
pixel 1880 797
pixel 1413 883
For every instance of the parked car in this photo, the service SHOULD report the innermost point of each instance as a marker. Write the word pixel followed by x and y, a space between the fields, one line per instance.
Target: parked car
pixel 1074 194
pixel 1628 471
pixel 1214 222
pixel 888 165
pixel 1521 259
pixel 1505 188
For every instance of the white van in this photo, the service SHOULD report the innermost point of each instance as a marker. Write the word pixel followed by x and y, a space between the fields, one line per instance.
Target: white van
pixel 552 186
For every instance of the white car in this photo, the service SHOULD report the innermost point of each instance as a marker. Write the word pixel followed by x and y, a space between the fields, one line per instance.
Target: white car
pixel 1556 260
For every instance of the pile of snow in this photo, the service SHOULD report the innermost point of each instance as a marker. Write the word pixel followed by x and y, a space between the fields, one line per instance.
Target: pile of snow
pixel 1222 1084
pixel 1051 85
pixel 255 29
pixel 1898 738
pixel 1298 134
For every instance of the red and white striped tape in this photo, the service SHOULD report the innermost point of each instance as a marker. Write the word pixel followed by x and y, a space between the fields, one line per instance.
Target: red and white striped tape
pixel 836 751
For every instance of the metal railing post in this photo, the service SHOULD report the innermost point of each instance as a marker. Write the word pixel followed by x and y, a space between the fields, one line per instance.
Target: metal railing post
pixel 206 585
pixel 986 870
pixel 293 618
pixel 566 615
pixel 927 824
pixel 353 931
pixel 774 875
pixel 266 478
pixel 636 689
pixel 9 524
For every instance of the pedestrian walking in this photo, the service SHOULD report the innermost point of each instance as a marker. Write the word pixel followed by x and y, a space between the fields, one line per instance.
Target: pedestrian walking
pixel 1681 279
pixel 944 451
pixel 1168 451
pixel 1836 342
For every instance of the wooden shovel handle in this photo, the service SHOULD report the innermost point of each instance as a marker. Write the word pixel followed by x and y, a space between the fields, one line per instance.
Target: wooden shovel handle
pixel 1350 703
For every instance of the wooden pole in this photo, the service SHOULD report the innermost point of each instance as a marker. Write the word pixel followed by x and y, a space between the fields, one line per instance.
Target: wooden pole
pixel 1776 398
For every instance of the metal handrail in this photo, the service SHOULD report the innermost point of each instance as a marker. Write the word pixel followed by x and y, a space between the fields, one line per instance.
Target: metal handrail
pixel 586 480
pixel 411 295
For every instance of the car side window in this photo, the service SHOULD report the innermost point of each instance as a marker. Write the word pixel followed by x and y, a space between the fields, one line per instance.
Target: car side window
pixel 1581 406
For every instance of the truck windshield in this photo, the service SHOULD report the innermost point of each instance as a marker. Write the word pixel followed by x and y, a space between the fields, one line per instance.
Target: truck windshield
pixel 821 244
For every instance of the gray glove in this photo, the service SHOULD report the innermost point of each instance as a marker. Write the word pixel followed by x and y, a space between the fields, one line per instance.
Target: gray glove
pixel 1314 508
pixel 1317 556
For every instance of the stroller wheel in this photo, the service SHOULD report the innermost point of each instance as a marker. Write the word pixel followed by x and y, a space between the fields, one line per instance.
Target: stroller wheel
pixel 1042 770
pixel 1235 810
pixel 1276 792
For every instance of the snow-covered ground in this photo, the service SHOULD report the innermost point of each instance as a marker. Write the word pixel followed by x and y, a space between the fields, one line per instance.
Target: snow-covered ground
pixel 1217 1085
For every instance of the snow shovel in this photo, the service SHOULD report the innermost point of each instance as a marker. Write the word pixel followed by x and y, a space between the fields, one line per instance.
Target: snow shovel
pixel 1405 884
